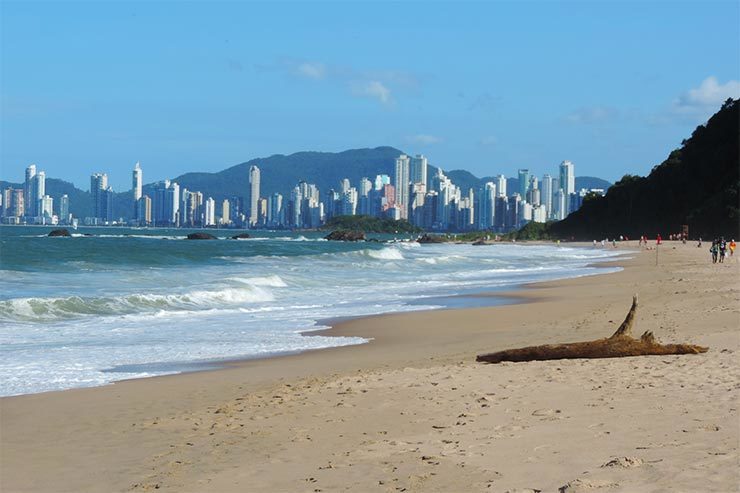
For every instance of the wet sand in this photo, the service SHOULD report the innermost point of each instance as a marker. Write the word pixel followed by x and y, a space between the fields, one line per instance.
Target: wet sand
pixel 412 411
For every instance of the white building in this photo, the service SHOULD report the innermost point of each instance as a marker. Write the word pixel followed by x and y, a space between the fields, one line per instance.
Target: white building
pixel 401 183
pixel 210 212
pixel 546 193
pixel 567 181
pixel 136 187
pixel 254 195
pixel 500 182
pixel 487 206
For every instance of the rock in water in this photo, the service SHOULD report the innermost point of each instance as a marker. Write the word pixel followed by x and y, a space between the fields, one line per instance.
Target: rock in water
pixel 201 236
pixel 241 236
pixel 426 238
pixel 59 232
pixel 345 235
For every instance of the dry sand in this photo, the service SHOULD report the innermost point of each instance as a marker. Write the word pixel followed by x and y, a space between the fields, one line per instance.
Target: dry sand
pixel 412 411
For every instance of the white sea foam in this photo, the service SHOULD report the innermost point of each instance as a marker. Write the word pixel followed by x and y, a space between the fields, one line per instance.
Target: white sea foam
pixel 387 253
pixel 65 328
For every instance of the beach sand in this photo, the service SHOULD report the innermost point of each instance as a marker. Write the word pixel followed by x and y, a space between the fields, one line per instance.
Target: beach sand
pixel 413 411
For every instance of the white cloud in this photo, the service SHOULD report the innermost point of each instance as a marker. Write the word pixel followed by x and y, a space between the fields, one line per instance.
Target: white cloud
pixel 311 70
pixel 372 89
pixel 709 96
pixel 379 85
pixel 423 139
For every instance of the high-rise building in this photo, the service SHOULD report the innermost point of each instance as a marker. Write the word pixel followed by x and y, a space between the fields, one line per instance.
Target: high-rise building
pixel 546 194
pixel 64 216
pixel 39 193
pixel 415 212
pixel 46 211
pixel 225 212
pixel 145 208
pixel 523 183
pixel 28 190
pixel 172 204
pixel 402 183
pixel 210 212
pixel 512 215
pixel 98 185
pixel 19 206
pixel 418 170
pixel 500 182
pixel 276 210
pixel 487 206
pixel 254 195
pixel 567 182
pixel 558 205
pixel 136 185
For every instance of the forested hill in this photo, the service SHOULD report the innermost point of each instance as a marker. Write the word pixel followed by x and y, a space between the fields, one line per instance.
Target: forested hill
pixel 696 185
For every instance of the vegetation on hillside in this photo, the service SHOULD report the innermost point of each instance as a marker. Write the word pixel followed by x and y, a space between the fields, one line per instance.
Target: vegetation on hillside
pixel 697 185
pixel 370 224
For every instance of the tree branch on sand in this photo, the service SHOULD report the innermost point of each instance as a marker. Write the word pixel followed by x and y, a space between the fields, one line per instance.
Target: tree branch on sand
pixel 619 345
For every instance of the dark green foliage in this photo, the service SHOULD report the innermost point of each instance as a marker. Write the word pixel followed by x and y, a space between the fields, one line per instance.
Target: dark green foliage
pixel 369 224
pixel 532 231
pixel 696 185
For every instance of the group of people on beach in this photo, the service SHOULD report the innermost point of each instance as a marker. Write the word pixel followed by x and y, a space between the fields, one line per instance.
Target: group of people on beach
pixel 719 249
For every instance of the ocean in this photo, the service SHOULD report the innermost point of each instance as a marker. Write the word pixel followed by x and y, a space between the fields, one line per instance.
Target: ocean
pixel 128 303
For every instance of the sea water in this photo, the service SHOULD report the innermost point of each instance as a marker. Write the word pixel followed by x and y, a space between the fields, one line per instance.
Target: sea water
pixel 127 303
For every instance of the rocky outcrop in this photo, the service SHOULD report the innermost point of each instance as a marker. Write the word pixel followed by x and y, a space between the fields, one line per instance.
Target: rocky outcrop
pixel 427 238
pixel 241 236
pixel 200 236
pixel 345 235
pixel 480 241
pixel 59 232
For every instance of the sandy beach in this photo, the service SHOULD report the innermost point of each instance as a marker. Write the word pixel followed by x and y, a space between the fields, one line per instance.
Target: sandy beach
pixel 413 411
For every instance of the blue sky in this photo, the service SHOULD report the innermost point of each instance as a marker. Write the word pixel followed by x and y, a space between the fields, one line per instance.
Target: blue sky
pixel 488 87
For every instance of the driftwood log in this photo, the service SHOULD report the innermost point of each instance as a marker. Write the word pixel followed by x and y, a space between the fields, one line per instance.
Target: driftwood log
pixel 620 344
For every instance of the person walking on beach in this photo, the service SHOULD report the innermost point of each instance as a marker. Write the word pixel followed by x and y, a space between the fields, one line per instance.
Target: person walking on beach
pixel 732 247
pixel 714 249
pixel 722 249
pixel 658 240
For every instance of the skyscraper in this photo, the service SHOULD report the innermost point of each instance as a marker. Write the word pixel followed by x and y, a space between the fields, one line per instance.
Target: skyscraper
pixel 28 187
pixel 546 194
pixel 64 208
pixel 418 170
pixel 145 207
pixel 402 183
pixel 210 212
pixel 523 183
pixel 486 206
pixel 567 182
pixel 500 182
pixel 39 190
pixel 98 184
pixel 136 185
pixel 254 195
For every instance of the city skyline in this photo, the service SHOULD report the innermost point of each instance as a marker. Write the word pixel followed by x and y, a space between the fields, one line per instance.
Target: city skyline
pixel 614 86
pixel 431 203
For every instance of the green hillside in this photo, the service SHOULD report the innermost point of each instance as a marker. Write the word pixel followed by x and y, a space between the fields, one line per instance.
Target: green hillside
pixel 696 185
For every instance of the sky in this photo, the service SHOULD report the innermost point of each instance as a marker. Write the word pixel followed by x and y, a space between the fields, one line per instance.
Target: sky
pixel 488 87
